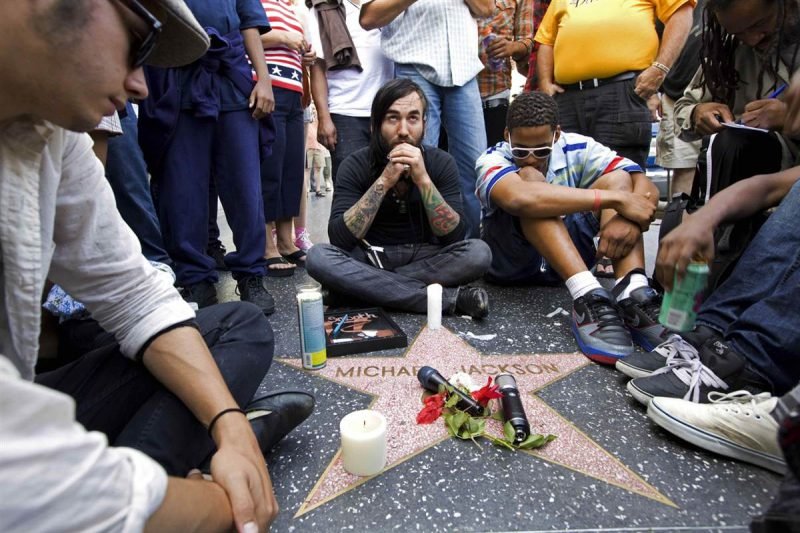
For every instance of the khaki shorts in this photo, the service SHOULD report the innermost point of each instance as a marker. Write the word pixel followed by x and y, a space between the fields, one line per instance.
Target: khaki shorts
pixel 672 152
pixel 315 158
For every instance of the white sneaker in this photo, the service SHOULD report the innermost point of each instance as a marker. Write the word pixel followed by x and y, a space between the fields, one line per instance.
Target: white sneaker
pixel 303 240
pixel 737 425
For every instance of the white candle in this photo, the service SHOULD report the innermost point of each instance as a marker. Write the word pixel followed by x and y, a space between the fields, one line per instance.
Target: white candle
pixel 434 306
pixel 363 442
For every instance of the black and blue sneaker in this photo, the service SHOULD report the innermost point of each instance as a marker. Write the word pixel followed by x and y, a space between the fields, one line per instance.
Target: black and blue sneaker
pixel 599 328
pixel 640 311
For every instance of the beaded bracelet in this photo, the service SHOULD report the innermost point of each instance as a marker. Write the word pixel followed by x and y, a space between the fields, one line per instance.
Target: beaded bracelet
pixel 219 415
pixel 661 66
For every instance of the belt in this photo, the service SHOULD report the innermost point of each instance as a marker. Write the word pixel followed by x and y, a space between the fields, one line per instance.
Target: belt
pixel 495 102
pixel 597 82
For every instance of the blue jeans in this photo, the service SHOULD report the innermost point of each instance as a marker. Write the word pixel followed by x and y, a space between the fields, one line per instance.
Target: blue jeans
pixel 119 397
pixel 461 111
pixel 409 269
pixel 127 174
pixel 514 259
pixel 754 309
pixel 352 133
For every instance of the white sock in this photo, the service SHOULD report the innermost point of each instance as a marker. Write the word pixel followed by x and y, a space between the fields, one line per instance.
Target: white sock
pixel 581 283
pixel 636 281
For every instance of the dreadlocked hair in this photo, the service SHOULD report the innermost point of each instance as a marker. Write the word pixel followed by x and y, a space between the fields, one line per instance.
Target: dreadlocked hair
pixel 718 47
pixel 532 109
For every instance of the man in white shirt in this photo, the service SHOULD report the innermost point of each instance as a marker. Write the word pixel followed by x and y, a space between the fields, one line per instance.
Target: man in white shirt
pixel 65 64
pixel 434 43
pixel 343 96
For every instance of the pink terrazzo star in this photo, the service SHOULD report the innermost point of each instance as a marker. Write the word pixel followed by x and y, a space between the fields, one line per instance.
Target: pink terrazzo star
pixel 392 381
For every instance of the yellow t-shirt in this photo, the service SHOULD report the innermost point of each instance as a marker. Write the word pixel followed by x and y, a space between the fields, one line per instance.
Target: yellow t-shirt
pixel 603 38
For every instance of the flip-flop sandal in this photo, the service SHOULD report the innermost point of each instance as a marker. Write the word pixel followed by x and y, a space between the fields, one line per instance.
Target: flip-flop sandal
pixel 604 268
pixel 298 257
pixel 279 272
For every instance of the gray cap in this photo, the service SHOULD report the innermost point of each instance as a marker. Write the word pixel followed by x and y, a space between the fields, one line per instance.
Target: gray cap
pixel 182 39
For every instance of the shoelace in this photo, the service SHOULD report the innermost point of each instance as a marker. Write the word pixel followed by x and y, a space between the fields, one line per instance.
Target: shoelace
pixel 742 397
pixel 686 366
pixel 674 348
pixel 606 314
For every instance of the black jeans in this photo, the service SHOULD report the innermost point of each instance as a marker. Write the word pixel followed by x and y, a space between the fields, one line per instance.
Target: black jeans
pixel 611 114
pixel 119 397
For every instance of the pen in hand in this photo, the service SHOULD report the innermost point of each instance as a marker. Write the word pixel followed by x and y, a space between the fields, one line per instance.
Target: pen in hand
pixel 338 327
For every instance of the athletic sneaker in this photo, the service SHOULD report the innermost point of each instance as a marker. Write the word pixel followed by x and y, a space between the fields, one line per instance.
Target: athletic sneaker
pixel 303 240
pixel 472 301
pixel 640 311
pixel 692 375
pixel 202 293
pixel 251 289
pixel 598 327
pixel 641 364
pixel 737 425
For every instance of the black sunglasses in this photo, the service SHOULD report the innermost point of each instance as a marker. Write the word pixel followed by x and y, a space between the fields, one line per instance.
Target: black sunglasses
pixel 140 53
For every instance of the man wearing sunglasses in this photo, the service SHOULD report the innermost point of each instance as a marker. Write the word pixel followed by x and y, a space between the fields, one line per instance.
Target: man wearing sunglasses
pixel 65 64
pixel 547 195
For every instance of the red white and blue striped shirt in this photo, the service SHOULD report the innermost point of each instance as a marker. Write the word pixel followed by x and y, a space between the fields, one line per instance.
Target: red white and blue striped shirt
pixel 283 63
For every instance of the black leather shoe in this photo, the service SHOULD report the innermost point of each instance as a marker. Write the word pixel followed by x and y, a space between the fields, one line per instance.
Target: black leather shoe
pixel 276 414
pixel 203 294
pixel 251 289
pixel 472 301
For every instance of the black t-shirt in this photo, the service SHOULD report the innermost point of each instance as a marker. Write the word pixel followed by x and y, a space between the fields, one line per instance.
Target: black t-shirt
pixel 687 63
pixel 391 224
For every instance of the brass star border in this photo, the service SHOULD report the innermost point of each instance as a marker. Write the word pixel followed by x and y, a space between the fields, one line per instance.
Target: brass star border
pixel 396 393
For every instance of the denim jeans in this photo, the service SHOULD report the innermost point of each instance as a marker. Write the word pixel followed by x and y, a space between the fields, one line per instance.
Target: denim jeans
pixel 119 397
pixel 408 270
pixel 514 259
pixel 352 133
pixel 754 309
pixel 127 174
pixel 461 112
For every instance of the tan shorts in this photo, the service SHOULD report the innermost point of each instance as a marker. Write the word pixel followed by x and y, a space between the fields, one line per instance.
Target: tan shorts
pixel 672 152
pixel 315 158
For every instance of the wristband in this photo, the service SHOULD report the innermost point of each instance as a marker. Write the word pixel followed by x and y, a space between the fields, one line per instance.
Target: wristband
pixel 596 206
pixel 219 415
pixel 661 66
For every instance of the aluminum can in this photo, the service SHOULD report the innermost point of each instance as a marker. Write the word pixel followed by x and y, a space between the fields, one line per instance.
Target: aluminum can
pixel 680 305
pixel 311 321
pixel 495 64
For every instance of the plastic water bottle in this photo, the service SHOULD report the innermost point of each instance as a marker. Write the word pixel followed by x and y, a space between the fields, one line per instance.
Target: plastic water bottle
pixel 495 64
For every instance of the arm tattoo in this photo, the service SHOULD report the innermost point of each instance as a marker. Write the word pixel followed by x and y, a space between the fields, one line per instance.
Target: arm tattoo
pixel 360 216
pixel 442 217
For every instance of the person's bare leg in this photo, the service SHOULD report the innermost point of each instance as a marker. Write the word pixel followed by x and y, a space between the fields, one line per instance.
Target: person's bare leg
pixel 272 252
pixel 551 239
pixel 682 179
pixel 285 237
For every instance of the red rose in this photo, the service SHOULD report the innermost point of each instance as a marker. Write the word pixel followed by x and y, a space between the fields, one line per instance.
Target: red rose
pixel 486 393
pixel 432 410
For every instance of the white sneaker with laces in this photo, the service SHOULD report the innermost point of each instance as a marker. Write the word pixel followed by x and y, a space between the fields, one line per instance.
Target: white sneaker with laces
pixel 737 425
pixel 303 240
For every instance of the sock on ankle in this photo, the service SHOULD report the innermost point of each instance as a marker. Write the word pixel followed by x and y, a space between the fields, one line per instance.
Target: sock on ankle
pixel 581 283
pixel 298 230
pixel 636 280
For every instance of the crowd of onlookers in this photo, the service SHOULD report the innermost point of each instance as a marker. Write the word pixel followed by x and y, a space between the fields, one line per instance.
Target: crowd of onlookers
pixel 405 110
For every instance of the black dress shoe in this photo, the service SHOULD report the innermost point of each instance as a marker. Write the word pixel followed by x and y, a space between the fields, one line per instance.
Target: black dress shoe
pixel 276 414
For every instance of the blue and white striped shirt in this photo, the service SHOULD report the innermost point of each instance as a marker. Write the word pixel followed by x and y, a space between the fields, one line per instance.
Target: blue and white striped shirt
pixel 577 161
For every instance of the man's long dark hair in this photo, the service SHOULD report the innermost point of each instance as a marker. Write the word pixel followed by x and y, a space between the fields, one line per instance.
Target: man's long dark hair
pixel 384 98
pixel 717 54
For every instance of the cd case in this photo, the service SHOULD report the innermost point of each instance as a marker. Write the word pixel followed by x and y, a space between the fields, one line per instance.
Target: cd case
pixel 361 330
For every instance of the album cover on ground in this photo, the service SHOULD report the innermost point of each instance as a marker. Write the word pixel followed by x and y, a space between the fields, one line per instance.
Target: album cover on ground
pixel 361 330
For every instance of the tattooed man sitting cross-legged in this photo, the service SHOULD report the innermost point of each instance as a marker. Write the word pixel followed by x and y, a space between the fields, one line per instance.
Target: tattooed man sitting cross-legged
pixel 396 221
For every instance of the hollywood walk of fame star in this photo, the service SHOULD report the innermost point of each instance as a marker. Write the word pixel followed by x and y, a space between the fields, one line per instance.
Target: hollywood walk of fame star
pixel 392 381
pixel 276 70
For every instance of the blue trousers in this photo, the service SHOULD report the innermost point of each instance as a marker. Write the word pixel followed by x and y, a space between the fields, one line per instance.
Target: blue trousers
pixel 754 309
pixel 119 397
pixel 226 148
pixel 461 112
pixel 127 174
pixel 282 172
